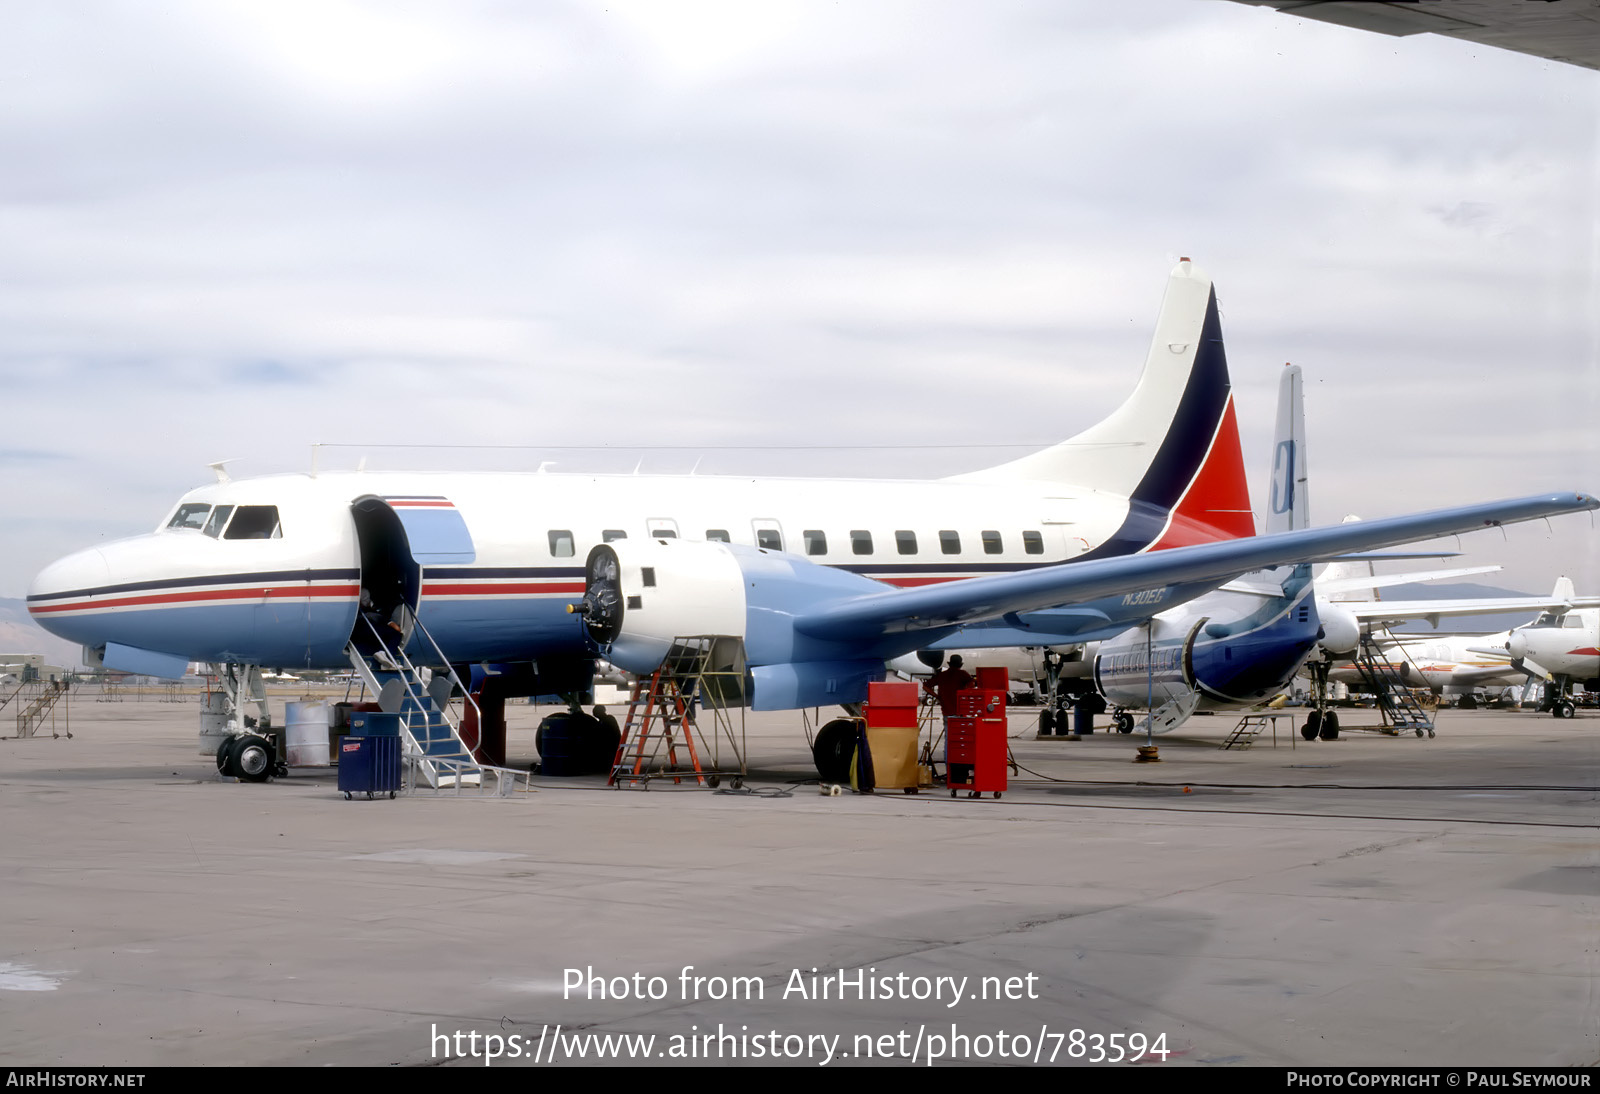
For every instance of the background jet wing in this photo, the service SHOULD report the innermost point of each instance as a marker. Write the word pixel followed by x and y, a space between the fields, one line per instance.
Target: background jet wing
pixel 1192 570
pixel 1396 611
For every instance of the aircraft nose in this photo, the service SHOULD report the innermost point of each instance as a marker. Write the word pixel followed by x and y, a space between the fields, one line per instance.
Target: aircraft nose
pixel 1517 645
pixel 65 583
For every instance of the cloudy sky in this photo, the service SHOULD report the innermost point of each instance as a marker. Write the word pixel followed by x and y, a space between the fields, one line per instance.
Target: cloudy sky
pixel 746 236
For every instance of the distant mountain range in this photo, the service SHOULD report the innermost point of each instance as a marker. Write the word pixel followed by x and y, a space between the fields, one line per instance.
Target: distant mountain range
pixel 20 634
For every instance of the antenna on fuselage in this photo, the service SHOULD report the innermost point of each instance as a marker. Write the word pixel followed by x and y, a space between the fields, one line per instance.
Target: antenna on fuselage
pixel 220 469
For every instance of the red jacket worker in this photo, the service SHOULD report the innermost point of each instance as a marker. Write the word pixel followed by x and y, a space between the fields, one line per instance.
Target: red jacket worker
pixel 944 684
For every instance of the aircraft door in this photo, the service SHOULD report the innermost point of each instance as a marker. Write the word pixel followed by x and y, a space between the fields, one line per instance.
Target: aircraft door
pixel 390 575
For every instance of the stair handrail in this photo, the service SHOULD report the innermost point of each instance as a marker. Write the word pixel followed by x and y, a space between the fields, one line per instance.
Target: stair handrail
pixel 407 680
pixel 451 669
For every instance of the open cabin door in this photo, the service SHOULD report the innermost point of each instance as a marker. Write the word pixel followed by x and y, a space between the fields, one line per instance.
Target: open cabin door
pixel 398 536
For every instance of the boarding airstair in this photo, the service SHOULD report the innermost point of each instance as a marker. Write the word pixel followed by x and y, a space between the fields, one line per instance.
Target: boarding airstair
pixel 431 729
pixel 702 675
pixel 1396 705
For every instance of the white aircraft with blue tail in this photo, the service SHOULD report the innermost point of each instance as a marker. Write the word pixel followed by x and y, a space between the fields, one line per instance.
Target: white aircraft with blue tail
pixel 824 581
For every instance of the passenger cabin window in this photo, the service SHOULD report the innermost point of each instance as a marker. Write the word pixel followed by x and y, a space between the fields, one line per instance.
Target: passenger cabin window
pixel 950 543
pixel 718 535
pixel 991 543
pixel 768 539
pixel 816 541
pixel 254 522
pixel 860 542
pixel 612 534
pixel 561 544
pixel 663 529
pixel 219 517
pixel 905 542
pixel 189 516
pixel 1033 543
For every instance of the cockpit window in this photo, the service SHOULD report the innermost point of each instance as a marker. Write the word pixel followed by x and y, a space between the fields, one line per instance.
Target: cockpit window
pixel 219 517
pixel 254 522
pixel 192 515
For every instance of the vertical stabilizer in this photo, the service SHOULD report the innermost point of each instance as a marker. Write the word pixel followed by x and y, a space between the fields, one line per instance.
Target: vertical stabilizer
pixel 1288 506
pixel 1172 448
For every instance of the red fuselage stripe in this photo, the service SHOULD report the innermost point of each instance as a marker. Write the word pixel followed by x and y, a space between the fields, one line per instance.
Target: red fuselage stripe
pixel 291 592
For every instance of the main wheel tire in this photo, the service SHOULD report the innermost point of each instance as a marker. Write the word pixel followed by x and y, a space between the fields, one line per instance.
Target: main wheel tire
pixel 1566 709
pixel 1047 722
pixel 225 758
pixel 253 758
pixel 1124 722
pixel 835 747
pixel 1313 726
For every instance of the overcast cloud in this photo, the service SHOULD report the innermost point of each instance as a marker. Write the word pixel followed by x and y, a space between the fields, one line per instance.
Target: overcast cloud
pixel 233 229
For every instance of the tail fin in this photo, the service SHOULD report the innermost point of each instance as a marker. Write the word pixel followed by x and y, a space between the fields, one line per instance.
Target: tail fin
pixel 1172 448
pixel 1288 506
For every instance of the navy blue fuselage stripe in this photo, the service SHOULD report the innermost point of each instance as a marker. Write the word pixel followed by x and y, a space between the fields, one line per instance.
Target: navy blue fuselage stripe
pixel 1183 452
pixel 214 579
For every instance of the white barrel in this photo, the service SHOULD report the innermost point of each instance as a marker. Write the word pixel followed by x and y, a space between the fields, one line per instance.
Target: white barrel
pixel 306 733
pixel 213 723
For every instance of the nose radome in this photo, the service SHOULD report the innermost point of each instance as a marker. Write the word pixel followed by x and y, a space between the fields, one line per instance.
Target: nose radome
pixel 76 573
pixel 1517 644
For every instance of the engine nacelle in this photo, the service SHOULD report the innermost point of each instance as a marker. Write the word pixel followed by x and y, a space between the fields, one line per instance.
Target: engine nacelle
pixel 1341 630
pixel 641 594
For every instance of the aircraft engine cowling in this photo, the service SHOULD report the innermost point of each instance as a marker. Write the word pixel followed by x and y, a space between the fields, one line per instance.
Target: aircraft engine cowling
pixel 641 594
pixel 1341 631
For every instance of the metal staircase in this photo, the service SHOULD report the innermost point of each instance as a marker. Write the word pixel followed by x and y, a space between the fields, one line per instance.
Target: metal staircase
pixel 1245 733
pixel 428 723
pixel 1396 705
pixel 33 709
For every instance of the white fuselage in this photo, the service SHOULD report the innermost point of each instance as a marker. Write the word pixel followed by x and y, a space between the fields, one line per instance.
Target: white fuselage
pixel 496 577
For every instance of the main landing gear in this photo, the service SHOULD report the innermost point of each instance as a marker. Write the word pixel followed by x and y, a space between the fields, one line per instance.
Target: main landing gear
pixel 250 758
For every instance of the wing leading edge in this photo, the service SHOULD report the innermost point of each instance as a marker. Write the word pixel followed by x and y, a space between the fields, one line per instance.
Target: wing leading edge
pixel 1152 582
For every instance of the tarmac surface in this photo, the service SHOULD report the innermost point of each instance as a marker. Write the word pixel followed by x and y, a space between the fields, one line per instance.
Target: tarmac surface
pixel 1372 900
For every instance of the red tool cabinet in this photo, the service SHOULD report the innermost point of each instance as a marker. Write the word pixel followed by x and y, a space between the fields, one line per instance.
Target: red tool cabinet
pixel 975 743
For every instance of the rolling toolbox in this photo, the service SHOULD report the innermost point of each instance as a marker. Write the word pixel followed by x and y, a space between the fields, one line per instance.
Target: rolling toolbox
pixel 370 765
pixel 975 744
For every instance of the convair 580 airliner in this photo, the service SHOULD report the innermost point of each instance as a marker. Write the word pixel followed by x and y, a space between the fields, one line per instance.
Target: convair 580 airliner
pixel 824 580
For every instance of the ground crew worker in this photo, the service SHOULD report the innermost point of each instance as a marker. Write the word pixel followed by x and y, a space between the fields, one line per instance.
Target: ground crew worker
pixel 944 684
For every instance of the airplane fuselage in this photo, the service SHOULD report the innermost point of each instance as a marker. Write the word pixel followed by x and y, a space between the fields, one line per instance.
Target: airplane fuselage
pixel 501 555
